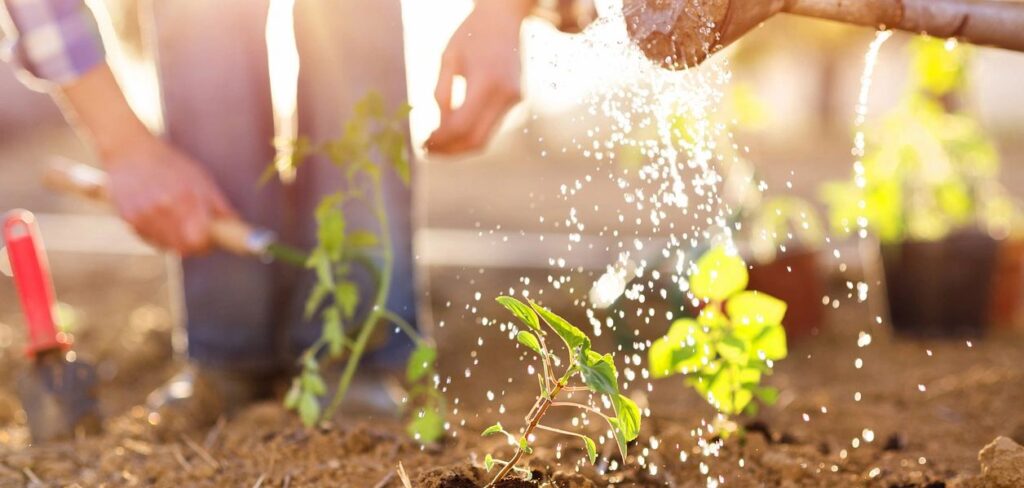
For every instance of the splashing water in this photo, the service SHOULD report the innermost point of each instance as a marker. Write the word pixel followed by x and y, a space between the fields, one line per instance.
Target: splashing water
pixel 675 199
pixel 861 110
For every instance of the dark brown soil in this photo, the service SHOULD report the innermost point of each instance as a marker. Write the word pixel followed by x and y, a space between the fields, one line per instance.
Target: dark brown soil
pixel 918 437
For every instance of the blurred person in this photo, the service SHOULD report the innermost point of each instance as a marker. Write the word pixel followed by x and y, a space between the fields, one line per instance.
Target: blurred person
pixel 244 318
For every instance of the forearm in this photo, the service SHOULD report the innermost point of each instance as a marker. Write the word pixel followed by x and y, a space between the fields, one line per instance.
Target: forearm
pixel 96 107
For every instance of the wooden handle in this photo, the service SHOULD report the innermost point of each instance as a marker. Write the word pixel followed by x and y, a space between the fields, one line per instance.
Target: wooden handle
pixel 232 235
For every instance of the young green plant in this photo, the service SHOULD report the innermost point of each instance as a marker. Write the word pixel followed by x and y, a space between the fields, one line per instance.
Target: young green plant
pixel 732 343
pixel 929 169
pixel 585 370
pixel 344 250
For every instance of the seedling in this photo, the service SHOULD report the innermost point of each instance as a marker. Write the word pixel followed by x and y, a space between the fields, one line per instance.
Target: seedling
pixel 341 251
pixel 585 371
pixel 732 343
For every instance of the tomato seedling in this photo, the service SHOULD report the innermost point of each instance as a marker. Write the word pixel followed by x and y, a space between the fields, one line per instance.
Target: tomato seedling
pixel 731 344
pixel 585 371
pixel 343 250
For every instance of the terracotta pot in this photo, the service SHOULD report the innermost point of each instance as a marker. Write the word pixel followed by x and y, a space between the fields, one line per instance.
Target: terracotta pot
pixel 794 277
pixel 941 288
pixel 1008 283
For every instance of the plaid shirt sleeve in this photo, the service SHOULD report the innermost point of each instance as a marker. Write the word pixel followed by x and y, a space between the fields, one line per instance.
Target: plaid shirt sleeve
pixel 54 40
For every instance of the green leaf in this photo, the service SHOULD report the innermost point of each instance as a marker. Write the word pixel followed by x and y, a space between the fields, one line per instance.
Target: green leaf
pixel 711 317
pixel 718 275
pixel 733 349
pixel 625 424
pixel 591 449
pixel 331 227
pixel 494 429
pixel 573 337
pixel 620 437
pixel 427 426
pixel 727 391
pixel 682 350
pixel 309 363
pixel 629 416
pixel 488 462
pixel 291 399
pixel 402 112
pixel 347 295
pixel 521 311
pixel 392 144
pixel 524 446
pixel 313 383
pixel 362 239
pixel 753 307
pixel 772 342
pixel 598 373
pixel 316 297
pixel 309 409
pixel 371 106
pixel 321 263
pixel 529 340
pixel 333 332
pixel 421 362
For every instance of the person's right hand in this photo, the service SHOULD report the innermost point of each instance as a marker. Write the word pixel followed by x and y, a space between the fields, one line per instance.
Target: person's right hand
pixel 167 197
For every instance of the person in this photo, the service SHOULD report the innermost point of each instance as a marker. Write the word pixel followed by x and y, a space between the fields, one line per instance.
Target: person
pixel 243 318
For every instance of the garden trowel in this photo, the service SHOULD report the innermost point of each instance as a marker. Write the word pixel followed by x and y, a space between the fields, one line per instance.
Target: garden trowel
pixel 57 391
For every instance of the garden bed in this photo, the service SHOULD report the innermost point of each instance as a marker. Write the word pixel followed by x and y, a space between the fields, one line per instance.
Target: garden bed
pixel 925 411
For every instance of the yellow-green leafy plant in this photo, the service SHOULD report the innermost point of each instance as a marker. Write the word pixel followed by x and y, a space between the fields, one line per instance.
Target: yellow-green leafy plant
pixel 732 343
pixel 583 370
pixel 928 168
pixel 342 250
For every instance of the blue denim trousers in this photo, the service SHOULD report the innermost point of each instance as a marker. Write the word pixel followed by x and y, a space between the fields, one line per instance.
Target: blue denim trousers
pixel 242 314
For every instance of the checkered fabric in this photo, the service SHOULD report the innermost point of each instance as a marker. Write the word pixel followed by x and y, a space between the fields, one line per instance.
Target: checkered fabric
pixel 53 40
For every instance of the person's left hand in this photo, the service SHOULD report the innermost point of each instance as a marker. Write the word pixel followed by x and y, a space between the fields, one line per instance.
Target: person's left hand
pixel 485 51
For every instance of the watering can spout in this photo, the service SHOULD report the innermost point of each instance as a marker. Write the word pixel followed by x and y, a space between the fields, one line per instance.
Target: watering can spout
pixel 678 34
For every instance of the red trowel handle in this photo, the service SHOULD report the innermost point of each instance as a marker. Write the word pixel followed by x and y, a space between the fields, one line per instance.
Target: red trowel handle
pixel 32 278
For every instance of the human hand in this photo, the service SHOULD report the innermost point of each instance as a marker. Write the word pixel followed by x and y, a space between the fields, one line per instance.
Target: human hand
pixel 485 51
pixel 168 198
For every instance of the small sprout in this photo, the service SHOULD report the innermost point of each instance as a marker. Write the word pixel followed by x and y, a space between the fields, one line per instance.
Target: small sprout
pixel 731 344
pixel 595 373
pixel 494 429
pixel 488 462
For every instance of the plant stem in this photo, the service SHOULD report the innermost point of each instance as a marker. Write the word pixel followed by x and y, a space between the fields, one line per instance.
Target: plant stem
pixel 532 424
pixel 559 431
pixel 379 310
pixel 581 407
pixel 405 326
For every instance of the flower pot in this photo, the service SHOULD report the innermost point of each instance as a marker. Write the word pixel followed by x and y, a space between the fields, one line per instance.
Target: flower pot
pixel 793 277
pixel 940 288
pixel 1007 285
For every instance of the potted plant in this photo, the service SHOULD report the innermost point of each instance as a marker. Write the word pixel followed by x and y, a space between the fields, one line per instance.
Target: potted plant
pixel 926 188
pixel 782 238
